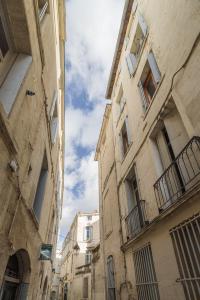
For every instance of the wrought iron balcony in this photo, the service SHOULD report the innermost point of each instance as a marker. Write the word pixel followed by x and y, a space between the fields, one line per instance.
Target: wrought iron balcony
pixel 182 174
pixel 136 219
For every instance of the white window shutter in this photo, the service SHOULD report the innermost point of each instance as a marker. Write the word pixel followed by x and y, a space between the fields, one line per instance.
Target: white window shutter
pixel 55 96
pixel 143 97
pixel 143 24
pixel 128 131
pixel 129 196
pixel 126 41
pixel 54 129
pixel 131 63
pixel 154 67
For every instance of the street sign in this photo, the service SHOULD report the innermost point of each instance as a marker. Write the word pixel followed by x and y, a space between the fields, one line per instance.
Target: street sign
pixel 45 252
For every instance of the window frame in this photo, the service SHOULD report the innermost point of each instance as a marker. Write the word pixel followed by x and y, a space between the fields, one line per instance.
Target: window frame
pixel 152 72
pixel 90 237
pixel 145 84
pixel 88 257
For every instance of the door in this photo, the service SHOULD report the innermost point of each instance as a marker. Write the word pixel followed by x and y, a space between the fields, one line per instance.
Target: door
pixel 9 291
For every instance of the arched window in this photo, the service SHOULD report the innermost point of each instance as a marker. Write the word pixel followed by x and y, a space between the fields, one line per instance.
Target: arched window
pixel 111 278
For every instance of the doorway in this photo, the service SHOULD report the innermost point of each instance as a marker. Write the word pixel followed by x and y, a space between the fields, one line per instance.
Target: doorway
pixel 16 277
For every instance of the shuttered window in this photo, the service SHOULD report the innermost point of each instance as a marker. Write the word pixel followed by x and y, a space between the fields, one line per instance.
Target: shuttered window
pixel 149 81
pixel 111 278
pixel 125 138
pixel 186 242
pixel 40 192
pixel 137 45
pixel 54 118
pixel 146 281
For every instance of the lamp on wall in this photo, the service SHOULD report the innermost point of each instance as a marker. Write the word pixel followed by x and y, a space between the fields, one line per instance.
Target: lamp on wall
pixel 30 93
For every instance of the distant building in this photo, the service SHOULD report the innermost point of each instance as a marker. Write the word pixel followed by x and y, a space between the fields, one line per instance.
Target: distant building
pixel 32 38
pixel 77 257
pixel 149 155
pixel 56 280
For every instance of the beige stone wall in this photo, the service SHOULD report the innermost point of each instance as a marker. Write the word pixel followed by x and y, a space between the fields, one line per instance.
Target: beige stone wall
pixel 25 134
pixel 173 36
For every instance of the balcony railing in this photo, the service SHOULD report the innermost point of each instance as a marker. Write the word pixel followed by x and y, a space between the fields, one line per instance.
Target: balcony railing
pixel 182 174
pixel 136 219
pixel 43 10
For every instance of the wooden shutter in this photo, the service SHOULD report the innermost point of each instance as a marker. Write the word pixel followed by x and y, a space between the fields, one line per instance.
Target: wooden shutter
pixel 55 96
pixel 129 196
pixel 54 129
pixel 143 97
pixel 142 24
pixel 154 67
pixel 131 63
pixel 128 131
pixel 121 148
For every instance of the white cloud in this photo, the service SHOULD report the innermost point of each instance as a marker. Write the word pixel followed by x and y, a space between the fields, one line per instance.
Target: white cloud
pixel 92 28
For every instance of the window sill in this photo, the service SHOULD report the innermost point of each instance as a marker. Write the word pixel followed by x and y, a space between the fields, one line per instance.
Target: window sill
pixel 154 96
pixel 14 80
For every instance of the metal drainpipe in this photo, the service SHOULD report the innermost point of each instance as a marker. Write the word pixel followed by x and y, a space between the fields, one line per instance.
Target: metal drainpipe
pixel 120 216
pixel 102 227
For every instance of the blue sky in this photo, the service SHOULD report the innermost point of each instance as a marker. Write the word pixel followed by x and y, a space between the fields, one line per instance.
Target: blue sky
pixel 92 29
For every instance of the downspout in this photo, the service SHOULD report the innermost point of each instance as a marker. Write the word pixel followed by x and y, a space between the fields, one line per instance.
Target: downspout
pixel 102 227
pixel 127 283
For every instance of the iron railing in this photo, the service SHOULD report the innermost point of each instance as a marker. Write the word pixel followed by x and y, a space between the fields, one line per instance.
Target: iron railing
pixel 43 10
pixel 136 219
pixel 180 176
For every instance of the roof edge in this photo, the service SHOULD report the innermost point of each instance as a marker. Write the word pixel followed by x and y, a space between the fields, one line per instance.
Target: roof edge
pixel 119 45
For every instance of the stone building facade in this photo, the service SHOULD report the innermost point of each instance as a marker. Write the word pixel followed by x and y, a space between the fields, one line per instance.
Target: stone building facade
pixel 152 168
pixel 77 256
pixel 31 143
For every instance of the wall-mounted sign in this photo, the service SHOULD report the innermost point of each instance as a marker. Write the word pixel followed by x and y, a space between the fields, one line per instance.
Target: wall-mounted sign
pixel 45 252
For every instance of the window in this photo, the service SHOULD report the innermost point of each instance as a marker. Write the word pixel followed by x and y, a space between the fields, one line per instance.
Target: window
pixel 39 196
pixel 85 287
pixel 121 100
pixel 175 171
pixel 137 45
pixel 7 54
pixel 146 281
pixel 111 278
pixel 54 118
pixel 137 217
pixel 125 138
pixel 149 81
pixel 88 233
pixel 89 218
pixel 186 242
pixel 88 257
pixel 43 6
